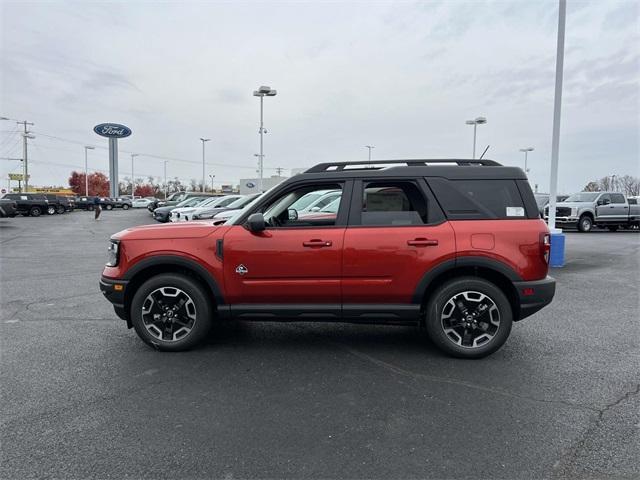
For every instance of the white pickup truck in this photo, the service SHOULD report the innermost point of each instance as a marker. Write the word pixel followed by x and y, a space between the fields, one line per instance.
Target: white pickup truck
pixel 585 210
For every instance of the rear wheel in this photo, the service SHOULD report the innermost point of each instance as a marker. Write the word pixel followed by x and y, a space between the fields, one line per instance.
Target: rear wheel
pixel 35 211
pixel 125 207
pixel 60 209
pixel 51 210
pixel 91 208
pixel 171 312
pixel 109 207
pixel 469 317
pixel 585 224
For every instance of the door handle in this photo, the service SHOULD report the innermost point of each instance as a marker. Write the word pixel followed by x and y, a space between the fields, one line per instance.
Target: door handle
pixel 422 242
pixel 316 242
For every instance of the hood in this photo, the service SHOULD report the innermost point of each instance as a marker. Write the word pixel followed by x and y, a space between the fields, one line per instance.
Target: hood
pixel 164 209
pixel 210 210
pixel 183 210
pixel 167 230
pixel 573 204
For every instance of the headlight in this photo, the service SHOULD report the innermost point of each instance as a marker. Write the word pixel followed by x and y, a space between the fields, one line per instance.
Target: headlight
pixel 574 212
pixel 113 251
pixel 202 216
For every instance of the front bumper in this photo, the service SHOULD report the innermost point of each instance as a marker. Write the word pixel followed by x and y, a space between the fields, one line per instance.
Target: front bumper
pixel 534 295
pixel 114 290
pixel 565 220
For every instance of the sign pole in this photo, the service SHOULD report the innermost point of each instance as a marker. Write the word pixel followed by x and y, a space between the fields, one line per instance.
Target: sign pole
pixel 113 167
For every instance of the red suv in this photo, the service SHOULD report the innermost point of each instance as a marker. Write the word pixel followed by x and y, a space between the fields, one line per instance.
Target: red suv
pixel 454 246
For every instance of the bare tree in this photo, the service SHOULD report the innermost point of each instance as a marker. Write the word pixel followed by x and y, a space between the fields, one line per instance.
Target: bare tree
pixel 591 187
pixel 629 185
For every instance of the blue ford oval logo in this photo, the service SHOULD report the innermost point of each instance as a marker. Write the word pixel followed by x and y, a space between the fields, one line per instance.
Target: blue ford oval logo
pixel 250 184
pixel 112 130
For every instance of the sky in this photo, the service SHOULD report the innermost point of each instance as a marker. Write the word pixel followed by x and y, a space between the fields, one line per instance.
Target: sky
pixel 401 76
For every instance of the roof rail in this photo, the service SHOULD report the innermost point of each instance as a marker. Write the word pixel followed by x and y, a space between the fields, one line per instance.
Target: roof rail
pixel 371 165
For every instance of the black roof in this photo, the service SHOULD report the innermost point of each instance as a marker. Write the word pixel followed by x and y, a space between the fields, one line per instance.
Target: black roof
pixel 448 168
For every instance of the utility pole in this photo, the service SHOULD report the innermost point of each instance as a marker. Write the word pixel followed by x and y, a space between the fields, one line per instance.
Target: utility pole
pixel 212 177
pixel 203 141
pixel 25 167
pixel 279 171
pixel 133 182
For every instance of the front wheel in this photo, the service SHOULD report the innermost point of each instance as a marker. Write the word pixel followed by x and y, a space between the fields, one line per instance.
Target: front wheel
pixel 51 210
pixel 60 210
pixel 35 211
pixel 171 312
pixel 109 207
pixel 468 317
pixel 585 224
pixel 125 207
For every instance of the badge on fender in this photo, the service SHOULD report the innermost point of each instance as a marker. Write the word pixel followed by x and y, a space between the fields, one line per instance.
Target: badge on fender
pixel 241 269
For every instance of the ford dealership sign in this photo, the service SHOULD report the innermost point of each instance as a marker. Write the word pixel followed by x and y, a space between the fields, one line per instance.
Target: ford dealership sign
pixel 112 130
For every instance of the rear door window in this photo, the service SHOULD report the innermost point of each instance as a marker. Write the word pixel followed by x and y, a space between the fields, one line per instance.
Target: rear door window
pixel 393 204
pixel 479 199
pixel 617 198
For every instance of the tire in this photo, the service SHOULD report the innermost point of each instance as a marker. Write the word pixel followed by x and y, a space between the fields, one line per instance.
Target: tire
pixel 35 212
pixel 585 224
pixel 60 210
pixel 108 207
pixel 442 314
pixel 196 317
pixel 613 228
pixel 125 207
pixel 91 208
pixel 51 210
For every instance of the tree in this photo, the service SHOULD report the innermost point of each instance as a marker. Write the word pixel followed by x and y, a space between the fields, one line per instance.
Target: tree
pixel 145 190
pixel 98 184
pixel 629 185
pixel 591 187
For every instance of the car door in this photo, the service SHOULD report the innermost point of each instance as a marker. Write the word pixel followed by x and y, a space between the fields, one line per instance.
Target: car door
pixel 396 233
pixel 604 209
pixel 620 210
pixel 292 268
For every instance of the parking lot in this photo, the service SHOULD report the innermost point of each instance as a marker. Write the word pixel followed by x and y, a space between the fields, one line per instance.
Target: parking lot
pixel 84 397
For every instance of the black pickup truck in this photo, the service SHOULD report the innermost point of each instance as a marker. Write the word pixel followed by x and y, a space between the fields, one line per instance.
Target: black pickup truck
pixel 58 204
pixel 33 204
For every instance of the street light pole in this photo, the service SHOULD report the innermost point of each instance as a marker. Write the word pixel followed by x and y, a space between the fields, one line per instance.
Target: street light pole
pixel 165 179
pixel 262 92
pixel 203 142
pixel 526 151
pixel 475 122
pixel 369 147
pixel 212 177
pixel 25 167
pixel 133 155
pixel 86 170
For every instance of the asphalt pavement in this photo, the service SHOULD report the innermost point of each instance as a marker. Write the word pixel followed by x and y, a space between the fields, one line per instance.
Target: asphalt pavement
pixel 83 397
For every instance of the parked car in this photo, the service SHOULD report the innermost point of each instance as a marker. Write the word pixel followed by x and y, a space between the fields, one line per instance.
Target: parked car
pixel 184 214
pixel 71 203
pixel 585 210
pixel 542 200
pixel 141 202
pixel 58 204
pixel 316 201
pixel 206 213
pixel 8 207
pixel 161 214
pixel 107 203
pixel 407 255
pixel 122 202
pixel 34 204
pixel 85 203
pixel 178 197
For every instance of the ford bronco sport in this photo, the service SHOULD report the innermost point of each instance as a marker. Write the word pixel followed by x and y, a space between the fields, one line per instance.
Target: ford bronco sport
pixel 454 246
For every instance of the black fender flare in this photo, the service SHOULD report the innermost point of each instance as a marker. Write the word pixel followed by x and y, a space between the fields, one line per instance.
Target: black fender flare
pixel 465 261
pixel 175 260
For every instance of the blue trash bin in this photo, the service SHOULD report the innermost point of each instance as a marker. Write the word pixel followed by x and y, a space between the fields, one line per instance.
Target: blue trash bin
pixel 556 256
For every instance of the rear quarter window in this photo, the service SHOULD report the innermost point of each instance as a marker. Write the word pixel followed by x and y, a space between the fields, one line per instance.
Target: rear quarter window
pixel 482 199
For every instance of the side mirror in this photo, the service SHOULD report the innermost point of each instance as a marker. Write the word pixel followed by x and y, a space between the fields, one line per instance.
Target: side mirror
pixel 255 223
pixel 315 209
pixel 293 214
pixel 604 201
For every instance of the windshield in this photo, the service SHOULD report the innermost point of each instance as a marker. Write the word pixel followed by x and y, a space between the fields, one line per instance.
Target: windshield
pixel 583 197
pixel 242 202
pixel 189 202
pixel 332 207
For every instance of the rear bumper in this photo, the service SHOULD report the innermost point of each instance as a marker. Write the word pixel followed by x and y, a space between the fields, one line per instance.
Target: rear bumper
pixel 535 295
pixel 116 297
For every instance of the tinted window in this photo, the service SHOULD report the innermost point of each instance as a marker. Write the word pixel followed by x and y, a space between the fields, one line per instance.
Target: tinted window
pixel 280 213
pixel 393 203
pixel 478 199
pixel 617 198
pixel 633 201
pixel 604 197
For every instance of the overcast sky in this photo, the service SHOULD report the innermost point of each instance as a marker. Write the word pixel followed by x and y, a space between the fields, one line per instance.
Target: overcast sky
pixel 403 76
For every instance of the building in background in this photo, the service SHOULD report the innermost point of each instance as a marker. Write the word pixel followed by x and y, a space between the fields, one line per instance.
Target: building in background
pixel 252 185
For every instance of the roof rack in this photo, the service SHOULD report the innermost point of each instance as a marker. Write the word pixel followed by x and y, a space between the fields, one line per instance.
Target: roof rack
pixel 371 165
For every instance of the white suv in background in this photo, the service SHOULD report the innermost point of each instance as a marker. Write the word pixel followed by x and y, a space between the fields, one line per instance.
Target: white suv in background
pixel 183 214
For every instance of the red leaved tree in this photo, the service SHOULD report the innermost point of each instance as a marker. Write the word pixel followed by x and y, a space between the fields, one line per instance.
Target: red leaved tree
pixel 98 184
pixel 145 190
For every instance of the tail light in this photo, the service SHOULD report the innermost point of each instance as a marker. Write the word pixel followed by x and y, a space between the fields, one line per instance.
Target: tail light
pixel 545 245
